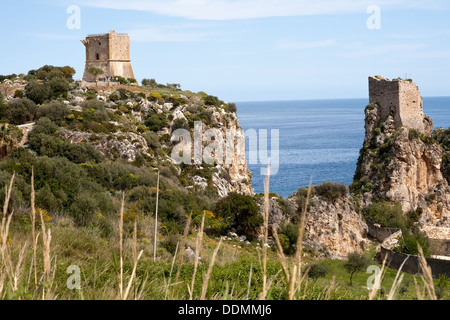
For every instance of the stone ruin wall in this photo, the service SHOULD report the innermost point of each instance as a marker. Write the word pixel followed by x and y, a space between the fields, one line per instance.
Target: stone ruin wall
pixel 403 99
pixel 113 58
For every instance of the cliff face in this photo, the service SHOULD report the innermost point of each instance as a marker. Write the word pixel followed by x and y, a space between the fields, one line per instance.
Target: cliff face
pixel 127 140
pixel 333 228
pixel 400 161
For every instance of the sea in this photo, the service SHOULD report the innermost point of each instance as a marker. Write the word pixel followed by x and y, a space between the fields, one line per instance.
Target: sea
pixel 319 140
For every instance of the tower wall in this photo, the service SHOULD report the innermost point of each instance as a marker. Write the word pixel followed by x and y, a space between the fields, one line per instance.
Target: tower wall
pixel 109 52
pixel 402 99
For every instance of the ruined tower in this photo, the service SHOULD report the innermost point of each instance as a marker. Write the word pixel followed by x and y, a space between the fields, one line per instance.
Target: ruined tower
pixel 402 100
pixel 109 52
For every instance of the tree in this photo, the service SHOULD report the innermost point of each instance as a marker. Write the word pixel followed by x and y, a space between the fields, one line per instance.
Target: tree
pixel 239 209
pixel 21 111
pixel 356 262
pixel 95 72
pixel 38 92
pixel 60 87
pixel 317 270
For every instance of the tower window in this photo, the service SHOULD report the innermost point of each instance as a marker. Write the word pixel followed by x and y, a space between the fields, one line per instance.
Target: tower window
pixel 99 43
pixel 98 56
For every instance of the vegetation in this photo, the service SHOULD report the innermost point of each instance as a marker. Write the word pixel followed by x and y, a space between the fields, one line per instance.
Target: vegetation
pixel 356 262
pixel 97 211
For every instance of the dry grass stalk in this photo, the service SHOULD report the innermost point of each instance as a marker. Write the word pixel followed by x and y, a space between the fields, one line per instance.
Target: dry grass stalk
pixel 266 232
pixel 133 275
pixel 33 227
pixel 427 276
pixel 156 220
pixel 418 294
pixel 378 279
pixel 171 270
pixel 298 253
pixel 134 249
pixel 197 255
pixel 330 288
pixel 121 246
pixel 397 281
pixel 249 282
pixel 181 251
pixel 8 268
pixel 208 273
pixel 281 256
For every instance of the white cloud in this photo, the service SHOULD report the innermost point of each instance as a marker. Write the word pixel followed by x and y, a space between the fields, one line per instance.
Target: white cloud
pixel 249 9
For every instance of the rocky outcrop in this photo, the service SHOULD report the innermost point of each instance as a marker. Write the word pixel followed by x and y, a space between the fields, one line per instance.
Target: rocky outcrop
pixel 126 141
pixel 400 161
pixel 333 228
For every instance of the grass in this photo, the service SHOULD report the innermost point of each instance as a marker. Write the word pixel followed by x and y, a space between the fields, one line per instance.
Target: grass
pixel 121 266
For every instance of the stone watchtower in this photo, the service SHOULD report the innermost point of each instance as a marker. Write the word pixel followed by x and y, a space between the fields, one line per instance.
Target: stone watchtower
pixel 400 98
pixel 109 52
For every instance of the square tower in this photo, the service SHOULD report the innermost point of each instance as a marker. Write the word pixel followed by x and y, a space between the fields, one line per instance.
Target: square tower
pixel 110 53
pixel 402 99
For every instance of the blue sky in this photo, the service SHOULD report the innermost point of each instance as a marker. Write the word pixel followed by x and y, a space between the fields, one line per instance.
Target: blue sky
pixel 246 50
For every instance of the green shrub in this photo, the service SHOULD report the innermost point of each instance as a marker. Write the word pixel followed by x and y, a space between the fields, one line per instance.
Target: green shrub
pixel 156 122
pixel 291 232
pixel 232 107
pixel 152 139
pixel 410 240
pixel 38 93
pixel 55 111
pixel 18 94
pixel 331 190
pixel 212 101
pixel 60 87
pixel 21 111
pixel 317 270
pixel 387 214
pixel 239 209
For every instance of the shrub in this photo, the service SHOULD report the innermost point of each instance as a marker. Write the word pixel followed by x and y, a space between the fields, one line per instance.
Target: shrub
pixel 331 190
pixel 290 231
pixel 212 101
pixel 152 139
pixel 232 107
pixel 156 122
pixel 21 111
pixel 38 92
pixel 149 83
pixel 317 271
pixel 180 123
pixel 59 87
pixel 409 241
pixel 18 94
pixel 239 209
pixel 55 111
pixel 387 214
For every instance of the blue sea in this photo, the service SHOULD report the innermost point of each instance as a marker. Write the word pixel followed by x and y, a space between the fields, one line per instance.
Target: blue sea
pixel 319 139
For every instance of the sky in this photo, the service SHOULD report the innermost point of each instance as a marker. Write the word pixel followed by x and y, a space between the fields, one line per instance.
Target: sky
pixel 243 50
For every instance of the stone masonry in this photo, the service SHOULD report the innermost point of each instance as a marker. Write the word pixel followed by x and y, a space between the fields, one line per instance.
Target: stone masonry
pixel 402 99
pixel 109 52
